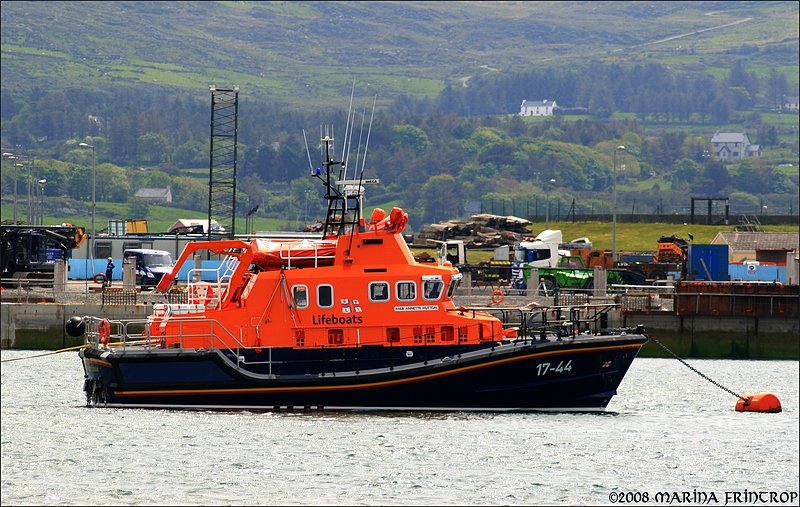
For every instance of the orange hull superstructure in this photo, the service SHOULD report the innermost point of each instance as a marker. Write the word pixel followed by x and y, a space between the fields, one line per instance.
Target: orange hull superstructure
pixel 358 289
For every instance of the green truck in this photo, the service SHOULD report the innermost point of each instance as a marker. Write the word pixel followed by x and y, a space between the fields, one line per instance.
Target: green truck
pixel 558 269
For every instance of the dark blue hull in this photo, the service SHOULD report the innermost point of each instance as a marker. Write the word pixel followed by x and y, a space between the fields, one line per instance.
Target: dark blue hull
pixel 574 374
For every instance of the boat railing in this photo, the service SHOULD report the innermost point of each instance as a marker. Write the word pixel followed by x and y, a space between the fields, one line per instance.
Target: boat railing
pixel 546 321
pixel 299 252
pixel 136 333
pixel 210 293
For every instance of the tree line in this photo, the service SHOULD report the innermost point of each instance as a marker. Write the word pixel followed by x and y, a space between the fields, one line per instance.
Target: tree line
pixel 431 155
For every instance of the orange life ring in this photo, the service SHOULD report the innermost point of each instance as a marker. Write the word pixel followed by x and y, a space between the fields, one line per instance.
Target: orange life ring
pixel 99 278
pixel 104 331
pixel 202 293
pixel 498 296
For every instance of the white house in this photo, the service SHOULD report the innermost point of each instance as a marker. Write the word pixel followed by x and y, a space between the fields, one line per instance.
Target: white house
pixel 731 145
pixel 537 107
pixel 155 194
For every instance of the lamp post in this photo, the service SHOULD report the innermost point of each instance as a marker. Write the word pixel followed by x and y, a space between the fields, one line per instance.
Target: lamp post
pixel 614 207
pixel 94 202
pixel 17 167
pixel 547 211
pixel 41 200
pixel 10 156
pixel 28 163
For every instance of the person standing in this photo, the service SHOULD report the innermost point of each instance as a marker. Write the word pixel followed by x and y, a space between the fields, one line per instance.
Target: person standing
pixel 109 272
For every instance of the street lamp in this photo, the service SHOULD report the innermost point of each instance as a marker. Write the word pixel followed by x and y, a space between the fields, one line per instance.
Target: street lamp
pixel 41 200
pixel 614 207
pixel 94 201
pixel 10 156
pixel 17 165
pixel 547 212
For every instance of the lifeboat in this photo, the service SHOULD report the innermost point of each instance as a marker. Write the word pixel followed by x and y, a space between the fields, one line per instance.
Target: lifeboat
pixel 347 322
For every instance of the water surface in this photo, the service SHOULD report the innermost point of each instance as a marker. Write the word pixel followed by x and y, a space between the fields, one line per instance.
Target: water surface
pixel 668 430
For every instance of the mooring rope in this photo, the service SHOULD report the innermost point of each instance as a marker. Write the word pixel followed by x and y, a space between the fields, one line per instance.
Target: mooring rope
pixel 77 347
pixel 696 370
pixel 47 353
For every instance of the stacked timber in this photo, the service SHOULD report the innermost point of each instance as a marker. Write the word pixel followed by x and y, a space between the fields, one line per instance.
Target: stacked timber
pixel 480 231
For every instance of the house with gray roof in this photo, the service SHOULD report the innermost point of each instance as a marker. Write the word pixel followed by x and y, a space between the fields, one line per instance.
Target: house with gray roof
pixel 537 107
pixel 155 194
pixel 734 145
pixel 759 246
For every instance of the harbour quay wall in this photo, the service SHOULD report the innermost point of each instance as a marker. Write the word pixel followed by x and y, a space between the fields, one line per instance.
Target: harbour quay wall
pixel 40 325
pixel 718 337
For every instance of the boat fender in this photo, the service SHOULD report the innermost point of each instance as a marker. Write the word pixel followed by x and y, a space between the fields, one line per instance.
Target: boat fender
pixel 498 296
pixel 75 327
pixel 759 402
pixel 104 331
pixel 99 278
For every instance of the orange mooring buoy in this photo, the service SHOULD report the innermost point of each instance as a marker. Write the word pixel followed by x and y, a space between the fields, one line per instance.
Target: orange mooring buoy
pixel 759 402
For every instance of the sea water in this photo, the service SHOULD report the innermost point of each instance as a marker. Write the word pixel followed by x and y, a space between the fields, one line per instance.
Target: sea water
pixel 669 437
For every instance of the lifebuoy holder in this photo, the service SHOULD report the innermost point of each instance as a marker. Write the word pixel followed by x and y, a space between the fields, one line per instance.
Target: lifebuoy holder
pixel 202 293
pixel 99 278
pixel 498 296
pixel 104 331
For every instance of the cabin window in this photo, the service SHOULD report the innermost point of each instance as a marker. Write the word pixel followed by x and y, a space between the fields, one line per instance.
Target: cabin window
pixel 378 291
pixel 432 289
pixel 325 296
pixel 102 249
pixel 335 336
pixel 300 295
pixel 430 334
pixel 392 334
pixel 532 254
pixel 451 289
pixel 406 291
pixel 447 334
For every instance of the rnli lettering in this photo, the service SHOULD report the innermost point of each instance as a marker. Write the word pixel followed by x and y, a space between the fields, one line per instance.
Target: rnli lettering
pixel 328 320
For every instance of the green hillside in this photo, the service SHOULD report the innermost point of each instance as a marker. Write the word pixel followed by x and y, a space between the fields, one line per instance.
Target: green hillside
pixel 305 52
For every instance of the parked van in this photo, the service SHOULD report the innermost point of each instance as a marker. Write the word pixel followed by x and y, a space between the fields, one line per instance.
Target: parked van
pixel 151 265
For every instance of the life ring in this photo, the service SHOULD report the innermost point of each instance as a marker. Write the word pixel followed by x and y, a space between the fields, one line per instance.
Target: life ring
pixel 99 278
pixel 498 296
pixel 104 331
pixel 202 293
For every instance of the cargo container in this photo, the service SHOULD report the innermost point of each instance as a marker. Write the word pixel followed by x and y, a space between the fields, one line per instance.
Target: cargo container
pixel 708 262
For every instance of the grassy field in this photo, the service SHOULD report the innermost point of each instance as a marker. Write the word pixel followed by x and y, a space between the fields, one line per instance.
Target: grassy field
pixel 631 237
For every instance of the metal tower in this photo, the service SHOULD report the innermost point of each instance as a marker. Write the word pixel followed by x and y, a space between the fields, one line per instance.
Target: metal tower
pixel 222 160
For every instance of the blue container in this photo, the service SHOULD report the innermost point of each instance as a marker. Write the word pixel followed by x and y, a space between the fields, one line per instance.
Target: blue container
pixel 708 262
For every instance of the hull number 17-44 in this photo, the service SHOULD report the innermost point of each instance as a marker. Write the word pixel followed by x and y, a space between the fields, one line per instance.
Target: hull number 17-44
pixel 549 368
